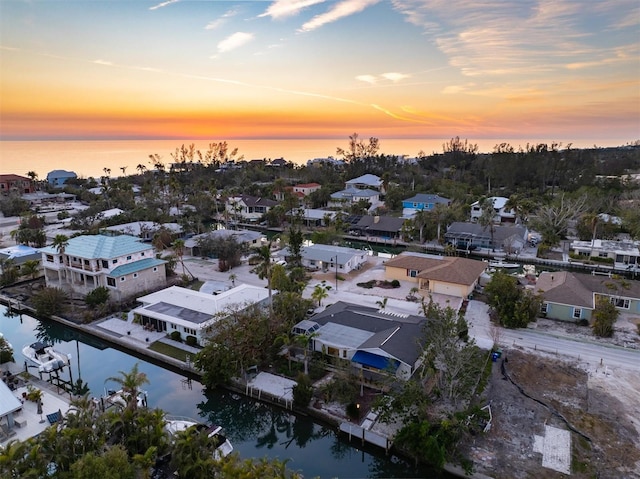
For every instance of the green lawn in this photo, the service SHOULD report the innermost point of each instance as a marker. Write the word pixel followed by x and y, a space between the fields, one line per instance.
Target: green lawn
pixel 170 351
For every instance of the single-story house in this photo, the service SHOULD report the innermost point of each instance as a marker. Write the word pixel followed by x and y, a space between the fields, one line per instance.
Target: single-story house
pixel 373 340
pixel 422 202
pixel 193 313
pixel 58 178
pixel 306 188
pixel 450 275
pixel 511 238
pixel 19 254
pixel 146 229
pixel 330 258
pixel 625 254
pixel 388 227
pixel 572 296
pixel 247 238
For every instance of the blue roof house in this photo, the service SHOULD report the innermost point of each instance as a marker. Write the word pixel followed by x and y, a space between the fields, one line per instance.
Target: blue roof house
pixel 422 202
pixel 124 264
pixel 58 178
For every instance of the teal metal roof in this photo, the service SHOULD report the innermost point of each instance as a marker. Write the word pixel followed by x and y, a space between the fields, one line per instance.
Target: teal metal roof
pixel 101 246
pixel 136 266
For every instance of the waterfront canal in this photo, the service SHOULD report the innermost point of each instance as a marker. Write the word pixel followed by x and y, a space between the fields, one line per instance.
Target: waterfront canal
pixel 256 429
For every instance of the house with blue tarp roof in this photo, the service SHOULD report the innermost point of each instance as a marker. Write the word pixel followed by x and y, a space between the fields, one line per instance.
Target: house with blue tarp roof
pixel 374 341
pixel 124 264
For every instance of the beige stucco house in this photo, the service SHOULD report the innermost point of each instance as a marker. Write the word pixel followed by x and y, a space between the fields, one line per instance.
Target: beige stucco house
pixel 448 275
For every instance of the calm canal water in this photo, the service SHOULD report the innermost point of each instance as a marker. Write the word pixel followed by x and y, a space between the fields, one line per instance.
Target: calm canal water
pixel 255 429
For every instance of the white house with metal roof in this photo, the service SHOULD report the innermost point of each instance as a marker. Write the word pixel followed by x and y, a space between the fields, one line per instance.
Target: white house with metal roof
pixel 193 313
pixel 124 264
pixel 365 182
pixel 330 258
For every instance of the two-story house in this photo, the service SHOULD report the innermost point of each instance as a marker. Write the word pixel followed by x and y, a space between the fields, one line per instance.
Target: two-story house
pixel 124 264
pixel 422 202
pixel 502 214
pixel 15 183
pixel 306 188
pixel 248 209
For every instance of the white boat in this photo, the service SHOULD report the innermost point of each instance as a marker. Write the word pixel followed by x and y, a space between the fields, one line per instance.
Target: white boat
pixel 45 357
pixel 118 398
pixel 175 424
pixel 502 264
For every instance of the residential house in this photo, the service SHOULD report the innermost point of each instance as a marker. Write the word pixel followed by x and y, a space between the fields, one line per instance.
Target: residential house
pixel 247 238
pixel 124 264
pixel 502 214
pixel 422 202
pixel 314 218
pixel 329 161
pixel 18 255
pixel 10 408
pixel 372 341
pixel 15 183
pixel 58 178
pixel 248 209
pixel 367 181
pixel 573 296
pixel 349 196
pixel 386 227
pixel 193 313
pixel 511 238
pixel 306 188
pixel 330 258
pixel 278 163
pixel 450 275
pixel 624 255
pixel 146 229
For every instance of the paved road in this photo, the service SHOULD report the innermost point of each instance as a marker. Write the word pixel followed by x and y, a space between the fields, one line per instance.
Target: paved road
pixel 569 347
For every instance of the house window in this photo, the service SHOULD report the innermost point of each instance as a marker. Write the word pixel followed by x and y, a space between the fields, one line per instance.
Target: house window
pixel 142 254
pixel 135 275
pixel 620 303
pixel 577 313
pixel 123 278
pixel 544 308
pixel 603 254
pixel 114 261
pixel 105 263
pixel 129 258
pixel 50 258
pixel 111 282
pixel 412 273
pixel 155 268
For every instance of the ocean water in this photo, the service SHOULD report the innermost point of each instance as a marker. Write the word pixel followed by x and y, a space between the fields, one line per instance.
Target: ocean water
pixel 91 158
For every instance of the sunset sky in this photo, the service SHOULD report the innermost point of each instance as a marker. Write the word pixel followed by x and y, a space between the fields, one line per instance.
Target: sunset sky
pixel 319 69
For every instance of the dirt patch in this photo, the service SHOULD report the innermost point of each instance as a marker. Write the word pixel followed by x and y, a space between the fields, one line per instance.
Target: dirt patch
pixel 605 437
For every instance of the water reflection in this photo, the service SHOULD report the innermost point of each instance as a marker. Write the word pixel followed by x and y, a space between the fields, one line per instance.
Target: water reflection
pixel 255 429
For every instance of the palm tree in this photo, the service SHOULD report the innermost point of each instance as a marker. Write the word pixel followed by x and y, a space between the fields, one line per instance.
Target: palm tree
pixel 124 170
pixel 146 461
pixel 319 293
pixel 382 303
pixel 232 278
pixel 178 249
pixel 486 218
pixel 131 384
pixel 263 268
pixel 30 268
pixel 420 221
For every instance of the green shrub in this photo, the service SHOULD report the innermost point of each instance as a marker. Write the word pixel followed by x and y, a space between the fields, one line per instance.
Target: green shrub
pixel 353 411
pixel 395 283
pixel 100 295
pixel 175 335
pixel 302 391
pixel 191 340
pixel 368 284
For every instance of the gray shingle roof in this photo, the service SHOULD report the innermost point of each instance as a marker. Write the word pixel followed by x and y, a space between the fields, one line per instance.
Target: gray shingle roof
pixel 398 336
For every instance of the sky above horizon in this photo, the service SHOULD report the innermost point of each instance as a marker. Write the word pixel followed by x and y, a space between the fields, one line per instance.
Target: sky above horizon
pixel 319 69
